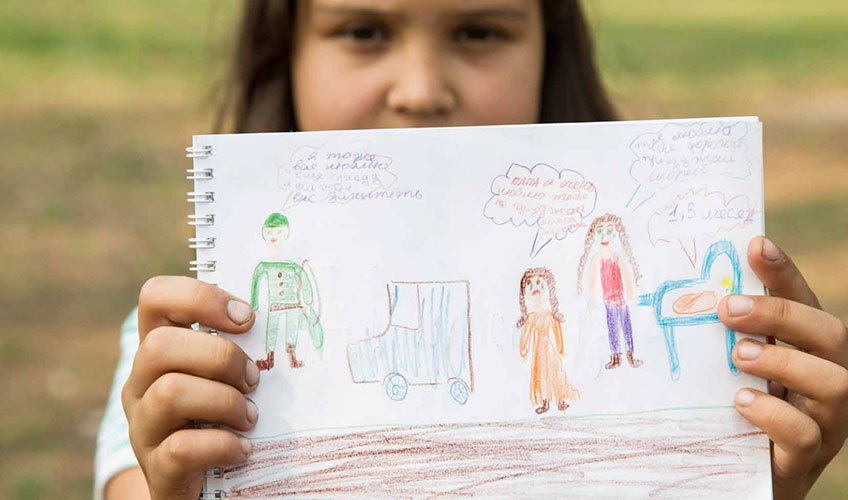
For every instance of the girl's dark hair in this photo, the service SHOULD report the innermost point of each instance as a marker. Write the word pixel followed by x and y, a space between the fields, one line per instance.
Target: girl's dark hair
pixel 258 94
pixel 545 274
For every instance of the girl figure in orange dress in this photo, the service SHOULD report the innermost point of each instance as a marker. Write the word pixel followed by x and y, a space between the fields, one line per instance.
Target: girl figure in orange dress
pixel 541 338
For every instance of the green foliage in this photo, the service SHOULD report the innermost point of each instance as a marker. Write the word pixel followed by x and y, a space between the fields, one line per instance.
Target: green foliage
pixel 814 224
pixel 697 43
pixel 30 488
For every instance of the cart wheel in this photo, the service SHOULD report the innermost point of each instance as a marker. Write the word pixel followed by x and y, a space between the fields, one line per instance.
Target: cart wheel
pixel 396 387
pixel 459 391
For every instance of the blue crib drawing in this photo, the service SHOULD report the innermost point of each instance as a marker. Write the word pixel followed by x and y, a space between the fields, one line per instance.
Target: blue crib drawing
pixel 670 315
pixel 427 341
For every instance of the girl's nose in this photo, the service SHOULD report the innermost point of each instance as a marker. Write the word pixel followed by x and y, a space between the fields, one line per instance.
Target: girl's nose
pixel 421 86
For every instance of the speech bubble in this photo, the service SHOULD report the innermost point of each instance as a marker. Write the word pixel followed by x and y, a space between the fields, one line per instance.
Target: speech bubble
pixel 681 153
pixel 695 218
pixel 339 173
pixel 556 202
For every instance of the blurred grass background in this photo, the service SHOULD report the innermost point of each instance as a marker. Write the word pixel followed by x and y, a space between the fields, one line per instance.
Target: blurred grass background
pixel 98 99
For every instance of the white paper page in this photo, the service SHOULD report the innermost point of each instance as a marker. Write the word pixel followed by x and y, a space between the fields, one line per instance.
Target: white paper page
pixel 411 357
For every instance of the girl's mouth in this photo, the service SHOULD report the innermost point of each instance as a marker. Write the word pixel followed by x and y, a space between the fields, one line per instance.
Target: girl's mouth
pixel 535 292
pixel 273 240
pixel 605 243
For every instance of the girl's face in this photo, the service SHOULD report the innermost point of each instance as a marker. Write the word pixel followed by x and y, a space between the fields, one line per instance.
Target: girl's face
pixel 606 234
pixel 416 63
pixel 537 297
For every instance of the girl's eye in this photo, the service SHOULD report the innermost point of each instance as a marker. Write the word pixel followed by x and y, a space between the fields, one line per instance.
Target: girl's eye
pixel 364 33
pixel 478 34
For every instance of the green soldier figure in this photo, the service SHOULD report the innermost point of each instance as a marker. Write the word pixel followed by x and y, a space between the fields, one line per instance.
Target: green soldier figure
pixel 290 296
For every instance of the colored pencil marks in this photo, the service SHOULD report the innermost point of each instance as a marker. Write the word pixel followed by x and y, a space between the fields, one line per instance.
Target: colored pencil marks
pixel 541 340
pixel 698 217
pixel 554 201
pixel 694 301
pixel 337 172
pixel 613 276
pixel 291 296
pixel 679 153
pixel 427 341
pixel 664 455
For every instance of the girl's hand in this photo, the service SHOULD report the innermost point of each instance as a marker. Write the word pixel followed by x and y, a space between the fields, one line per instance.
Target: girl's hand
pixel 181 376
pixel 806 412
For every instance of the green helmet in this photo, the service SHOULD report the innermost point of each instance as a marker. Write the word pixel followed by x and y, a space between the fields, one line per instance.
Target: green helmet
pixel 276 219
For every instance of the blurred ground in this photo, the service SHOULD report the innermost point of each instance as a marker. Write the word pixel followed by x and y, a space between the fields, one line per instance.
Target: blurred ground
pixel 99 98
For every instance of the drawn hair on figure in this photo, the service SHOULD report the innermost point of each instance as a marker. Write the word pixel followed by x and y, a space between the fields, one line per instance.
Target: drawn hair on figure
pixel 590 240
pixel 545 274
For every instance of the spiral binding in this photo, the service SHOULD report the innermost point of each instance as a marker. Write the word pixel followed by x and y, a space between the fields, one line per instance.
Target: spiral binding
pixel 203 266
pixel 202 243
pixel 201 220
pixel 204 151
pixel 200 175
pixel 215 473
pixel 200 197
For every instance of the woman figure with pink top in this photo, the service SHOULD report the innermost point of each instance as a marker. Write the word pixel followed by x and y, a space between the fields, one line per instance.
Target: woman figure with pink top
pixel 615 269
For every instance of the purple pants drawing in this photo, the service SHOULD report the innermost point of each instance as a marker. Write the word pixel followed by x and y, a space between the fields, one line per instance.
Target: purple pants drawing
pixel 619 316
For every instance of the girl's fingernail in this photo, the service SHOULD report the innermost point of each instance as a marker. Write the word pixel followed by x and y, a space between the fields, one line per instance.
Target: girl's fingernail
pixel 246 447
pixel 739 305
pixel 239 312
pixel 251 373
pixel 770 250
pixel 749 350
pixel 745 397
pixel 252 411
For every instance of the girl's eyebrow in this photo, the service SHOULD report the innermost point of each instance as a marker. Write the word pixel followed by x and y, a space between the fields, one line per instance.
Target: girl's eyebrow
pixel 343 10
pixel 501 12
pixel 466 12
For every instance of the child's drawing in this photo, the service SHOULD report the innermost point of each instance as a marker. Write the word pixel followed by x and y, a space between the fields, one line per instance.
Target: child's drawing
pixel 613 267
pixel 292 297
pixel 664 455
pixel 427 341
pixel 541 338
pixel 554 201
pixel 695 301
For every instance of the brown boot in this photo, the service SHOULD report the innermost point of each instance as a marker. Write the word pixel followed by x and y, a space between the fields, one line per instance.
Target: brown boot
pixel 293 361
pixel 562 405
pixel 635 363
pixel 614 362
pixel 543 408
pixel 267 363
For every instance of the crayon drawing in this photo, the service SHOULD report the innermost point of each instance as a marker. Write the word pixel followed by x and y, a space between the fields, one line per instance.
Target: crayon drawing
pixel 291 296
pixel 694 301
pixel 661 455
pixel 614 270
pixel 540 321
pixel 427 341
pixel 563 389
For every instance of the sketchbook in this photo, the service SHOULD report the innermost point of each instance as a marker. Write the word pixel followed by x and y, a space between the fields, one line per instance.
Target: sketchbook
pixel 497 312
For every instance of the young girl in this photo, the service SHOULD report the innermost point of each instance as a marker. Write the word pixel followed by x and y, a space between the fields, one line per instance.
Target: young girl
pixel 615 267
pixel 540 322
pixel 342 64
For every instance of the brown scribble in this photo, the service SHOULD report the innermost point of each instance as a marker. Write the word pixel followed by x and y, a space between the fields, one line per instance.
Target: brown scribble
pixel 669 455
